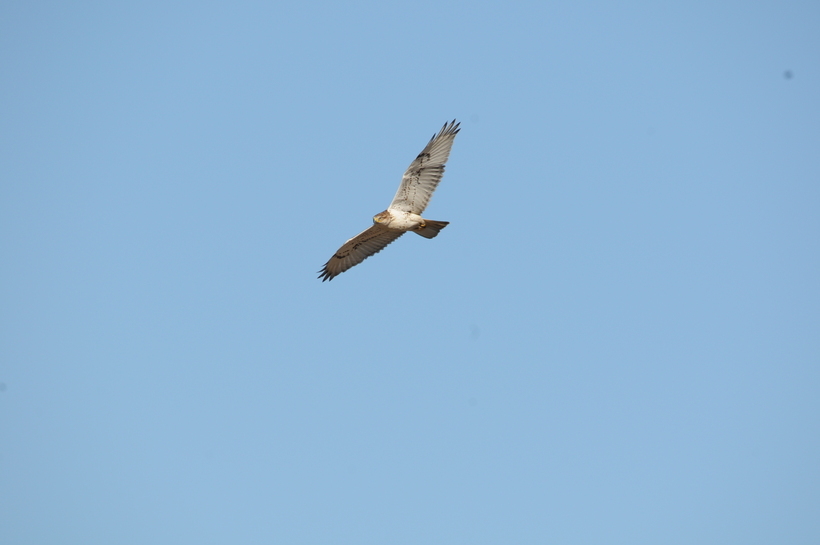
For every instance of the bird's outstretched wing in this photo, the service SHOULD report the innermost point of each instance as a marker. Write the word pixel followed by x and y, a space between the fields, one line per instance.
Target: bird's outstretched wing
pixel 357 249
pixel 424 174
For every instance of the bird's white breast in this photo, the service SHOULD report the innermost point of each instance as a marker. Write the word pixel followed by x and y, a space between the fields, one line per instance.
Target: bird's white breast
pixel 404 220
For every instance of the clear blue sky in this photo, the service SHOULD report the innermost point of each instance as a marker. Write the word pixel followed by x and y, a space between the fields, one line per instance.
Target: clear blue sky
pixel 616 340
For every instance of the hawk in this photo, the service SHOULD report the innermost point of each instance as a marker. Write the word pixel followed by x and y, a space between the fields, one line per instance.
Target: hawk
pixel 403 214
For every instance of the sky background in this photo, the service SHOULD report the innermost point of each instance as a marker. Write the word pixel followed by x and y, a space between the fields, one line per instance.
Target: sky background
pixel 616 340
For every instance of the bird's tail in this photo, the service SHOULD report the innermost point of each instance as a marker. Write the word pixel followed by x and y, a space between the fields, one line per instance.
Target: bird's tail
pixel 431 228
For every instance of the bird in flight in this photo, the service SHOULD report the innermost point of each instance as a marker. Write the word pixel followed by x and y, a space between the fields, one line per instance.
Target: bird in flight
pixel 403 214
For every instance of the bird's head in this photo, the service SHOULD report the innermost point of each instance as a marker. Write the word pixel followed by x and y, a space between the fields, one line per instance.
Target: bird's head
pixel 383 218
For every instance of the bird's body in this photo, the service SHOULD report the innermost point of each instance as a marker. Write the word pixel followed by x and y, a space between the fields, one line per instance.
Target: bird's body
pixel 404 213
pixel 396 219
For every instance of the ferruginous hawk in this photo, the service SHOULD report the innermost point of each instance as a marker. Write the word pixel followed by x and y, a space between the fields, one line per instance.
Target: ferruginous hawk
pixel 403 214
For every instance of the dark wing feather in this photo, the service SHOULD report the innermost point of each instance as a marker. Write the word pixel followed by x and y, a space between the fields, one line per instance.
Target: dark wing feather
pixel 357 249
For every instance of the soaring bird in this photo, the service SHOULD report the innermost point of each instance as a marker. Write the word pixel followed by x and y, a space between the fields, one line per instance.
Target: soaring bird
pixel 404 213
